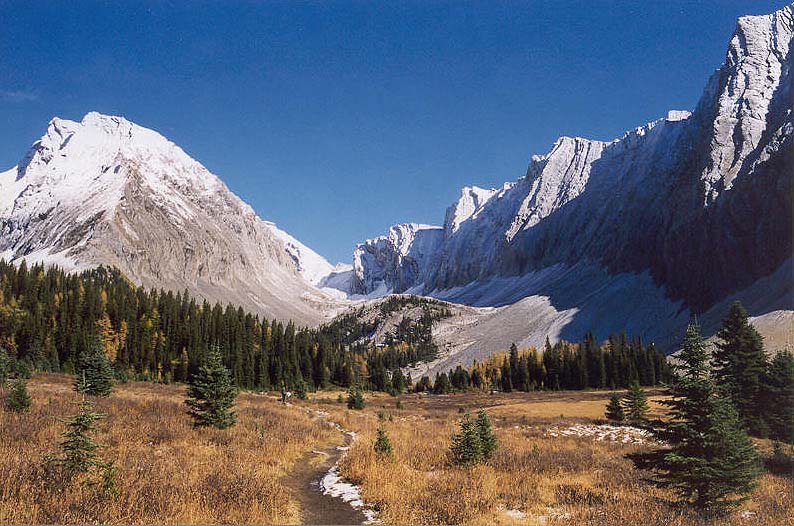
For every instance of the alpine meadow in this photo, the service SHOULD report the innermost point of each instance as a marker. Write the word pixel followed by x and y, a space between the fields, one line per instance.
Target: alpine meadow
pixel 607 339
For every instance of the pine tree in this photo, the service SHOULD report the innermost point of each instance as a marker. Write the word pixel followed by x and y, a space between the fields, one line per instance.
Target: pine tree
pixel 211 394
pixel 778 397
pixel 355 399
pixel 18 399
pixel 709 460
pixel 488 442
pixel 615 409
pixel 739 364
pixel 635 404
pixel 466 447
pixel 94 372
pixel 383 447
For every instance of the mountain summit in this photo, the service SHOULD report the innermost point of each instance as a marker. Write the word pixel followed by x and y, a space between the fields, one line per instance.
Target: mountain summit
pixel 107 191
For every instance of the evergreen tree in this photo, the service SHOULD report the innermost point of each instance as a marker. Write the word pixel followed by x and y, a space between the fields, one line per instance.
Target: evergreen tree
pixel 5 367
pixel 709 460
pixel 94 372
pixel 383 445
pixel 355 399
pixel 506 377
pixel 18 399
pixel 211 394
pixel 635 404
pixel 488 442
pixel 778 397
pixel 442 384
pixel 398 381
pixel 423 384
pixel 466 447
pixel 615 409
pixel 739 364
pixel 78 446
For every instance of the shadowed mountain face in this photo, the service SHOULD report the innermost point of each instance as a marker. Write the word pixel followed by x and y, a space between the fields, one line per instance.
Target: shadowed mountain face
pixel 697 206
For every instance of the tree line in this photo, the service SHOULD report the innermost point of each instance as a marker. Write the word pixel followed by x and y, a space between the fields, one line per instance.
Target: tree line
pixel 616 363
pixel 49 319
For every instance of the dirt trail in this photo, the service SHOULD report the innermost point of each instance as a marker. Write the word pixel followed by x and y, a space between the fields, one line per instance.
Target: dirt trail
pixel 317 508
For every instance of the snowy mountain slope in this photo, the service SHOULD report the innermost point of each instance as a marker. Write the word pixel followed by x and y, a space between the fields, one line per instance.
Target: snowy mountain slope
pixel 106 191
pixel 684 212
pixel 311 265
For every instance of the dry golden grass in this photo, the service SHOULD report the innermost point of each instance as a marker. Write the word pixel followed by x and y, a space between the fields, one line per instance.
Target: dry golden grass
pixel 171 473
pixel 550 480
pixel 168 471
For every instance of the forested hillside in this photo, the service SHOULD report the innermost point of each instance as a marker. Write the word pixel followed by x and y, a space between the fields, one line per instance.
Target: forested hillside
pixel 47 317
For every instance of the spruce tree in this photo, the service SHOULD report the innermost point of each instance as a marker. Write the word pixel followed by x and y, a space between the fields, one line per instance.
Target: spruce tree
pixel 398 381
pixel 739 364
pixel 5 367
pixel 355 399
pixel 778 397
pixel 442 384
pixel 615 409
pixel 635 404
pixel 466 447
pixel 94 372
pixel 18 399
pixel 78 446
pixel 383 447
pixel 708 460
pixel 211 394
pixel 488 442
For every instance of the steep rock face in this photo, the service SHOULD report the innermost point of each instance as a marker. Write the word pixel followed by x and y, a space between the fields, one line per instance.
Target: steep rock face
pixel 392 263
pixel 106 191
pixel 700 203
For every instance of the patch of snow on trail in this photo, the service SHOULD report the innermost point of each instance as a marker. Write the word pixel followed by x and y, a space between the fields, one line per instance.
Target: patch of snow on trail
pixel 605 432
pixel 514 514
pixel 334 485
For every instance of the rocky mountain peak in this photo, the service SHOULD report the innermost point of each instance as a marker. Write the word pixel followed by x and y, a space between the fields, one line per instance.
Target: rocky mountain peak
pixel 756 73
pixel 107 191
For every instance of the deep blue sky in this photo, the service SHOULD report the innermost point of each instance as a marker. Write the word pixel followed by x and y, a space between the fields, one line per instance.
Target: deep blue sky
pixel 338 119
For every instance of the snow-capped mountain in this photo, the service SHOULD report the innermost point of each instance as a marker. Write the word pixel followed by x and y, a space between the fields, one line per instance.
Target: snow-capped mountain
pixel 107 191
pixel 674 218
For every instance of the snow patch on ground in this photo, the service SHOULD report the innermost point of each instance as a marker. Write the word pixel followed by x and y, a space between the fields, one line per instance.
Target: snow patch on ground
pixel 605 432
pixel 514 514
pixel 334 485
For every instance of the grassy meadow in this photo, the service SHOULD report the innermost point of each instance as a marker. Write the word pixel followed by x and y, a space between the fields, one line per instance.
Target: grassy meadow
pixel 169 472
pixel 533 478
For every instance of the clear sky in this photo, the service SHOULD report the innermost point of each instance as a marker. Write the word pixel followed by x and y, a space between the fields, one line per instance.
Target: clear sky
pixel 338 119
